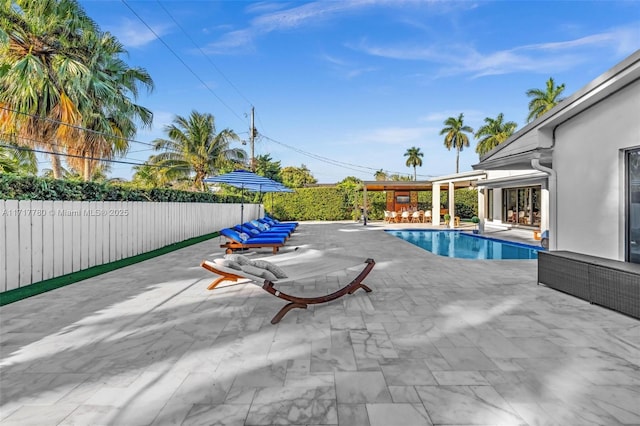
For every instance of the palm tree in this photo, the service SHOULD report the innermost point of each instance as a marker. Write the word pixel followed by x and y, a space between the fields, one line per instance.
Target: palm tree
pixel 18 161
pixel 195 148
pixel 414 159
pixel 107 109
pixel 543 100
pixel 455 136
pixel 43 61
pixel 493 133
pixel 380 175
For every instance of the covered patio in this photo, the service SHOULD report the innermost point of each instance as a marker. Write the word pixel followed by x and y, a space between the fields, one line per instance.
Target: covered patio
pixel 402 195
pixel 438 341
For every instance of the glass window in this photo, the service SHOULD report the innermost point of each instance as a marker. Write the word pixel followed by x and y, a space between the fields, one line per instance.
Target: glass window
pixel 522 205
pixel 633 206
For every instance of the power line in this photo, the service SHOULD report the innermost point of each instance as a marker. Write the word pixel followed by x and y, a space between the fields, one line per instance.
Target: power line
pixel 84 157
pixel 204 54
pixel 84 129
pixel 181 60
pixel 349 166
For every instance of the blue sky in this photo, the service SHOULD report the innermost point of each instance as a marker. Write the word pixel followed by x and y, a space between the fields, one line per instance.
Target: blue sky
pixel 346 87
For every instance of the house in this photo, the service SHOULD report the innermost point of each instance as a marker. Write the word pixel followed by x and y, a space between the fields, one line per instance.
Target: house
pixel 575 171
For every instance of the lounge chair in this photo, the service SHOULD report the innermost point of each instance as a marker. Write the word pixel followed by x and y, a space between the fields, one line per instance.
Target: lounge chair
pixel 309 265
pixel 263 226
pixel 240 240
pixel 277 222
pixel 254 231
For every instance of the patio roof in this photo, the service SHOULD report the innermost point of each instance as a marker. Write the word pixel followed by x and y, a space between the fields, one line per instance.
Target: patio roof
pixel 460 180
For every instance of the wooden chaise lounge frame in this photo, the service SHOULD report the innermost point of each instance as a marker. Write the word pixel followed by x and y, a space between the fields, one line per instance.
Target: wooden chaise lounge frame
pixel 294 301
pixel 232 245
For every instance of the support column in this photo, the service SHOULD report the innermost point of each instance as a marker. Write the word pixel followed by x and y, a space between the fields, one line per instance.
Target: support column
pixel 452 205
pixel 364 206
pixel 482 197
pixel 435 205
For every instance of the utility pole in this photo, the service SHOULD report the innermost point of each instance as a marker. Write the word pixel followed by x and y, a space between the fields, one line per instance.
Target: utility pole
pixel 252 134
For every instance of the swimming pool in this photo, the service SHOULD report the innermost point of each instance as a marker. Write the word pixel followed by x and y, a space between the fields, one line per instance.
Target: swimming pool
pixel 463 245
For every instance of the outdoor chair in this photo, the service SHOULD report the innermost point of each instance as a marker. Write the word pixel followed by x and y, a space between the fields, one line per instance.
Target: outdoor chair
pixel 240 240
pixel 253 231
pixel 415 217
pixel 300 267
pixel 273 221
pixel 427 216
pixel 265 227
pixel 387 216
pixel 405 217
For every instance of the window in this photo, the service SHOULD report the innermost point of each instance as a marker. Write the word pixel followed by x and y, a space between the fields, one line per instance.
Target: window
pixel 403 199
pixel 633 206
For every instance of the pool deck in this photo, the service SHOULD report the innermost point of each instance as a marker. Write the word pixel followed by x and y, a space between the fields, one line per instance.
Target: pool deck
pixel 438 341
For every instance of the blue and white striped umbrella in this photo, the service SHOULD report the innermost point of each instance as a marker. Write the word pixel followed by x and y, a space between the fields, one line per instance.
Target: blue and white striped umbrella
pixel 250 181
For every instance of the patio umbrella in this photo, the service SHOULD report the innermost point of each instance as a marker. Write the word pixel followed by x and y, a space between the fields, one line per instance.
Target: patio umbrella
pixel 250 181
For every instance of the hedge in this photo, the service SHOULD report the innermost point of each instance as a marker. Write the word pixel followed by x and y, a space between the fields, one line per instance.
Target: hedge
pixel 318 203
pixel 334 203
pixel 14 187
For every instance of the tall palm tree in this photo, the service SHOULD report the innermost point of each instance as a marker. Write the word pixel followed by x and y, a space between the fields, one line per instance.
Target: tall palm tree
pixel 493 133
pixel 194 148
pixel 543 100
pixel 42 56
pixel 380 175
pixel 414 159
pixel 107 109
pixel 455 136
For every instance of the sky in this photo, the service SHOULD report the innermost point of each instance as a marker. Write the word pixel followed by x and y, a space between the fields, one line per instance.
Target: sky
pixel 347 87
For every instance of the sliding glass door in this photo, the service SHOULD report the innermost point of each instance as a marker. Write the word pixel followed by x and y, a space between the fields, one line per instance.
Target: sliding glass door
pixel 522 205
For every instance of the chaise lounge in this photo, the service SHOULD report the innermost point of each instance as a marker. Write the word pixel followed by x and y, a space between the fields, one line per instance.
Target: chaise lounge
pixel 314 264
pixel 240 240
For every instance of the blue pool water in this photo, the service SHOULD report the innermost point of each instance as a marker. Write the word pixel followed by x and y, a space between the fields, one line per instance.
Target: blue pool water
pixel 467 246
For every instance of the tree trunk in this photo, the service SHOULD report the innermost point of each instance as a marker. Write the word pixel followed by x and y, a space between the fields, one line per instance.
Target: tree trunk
pixel 86 172
pixel 56 168
pixel 457 160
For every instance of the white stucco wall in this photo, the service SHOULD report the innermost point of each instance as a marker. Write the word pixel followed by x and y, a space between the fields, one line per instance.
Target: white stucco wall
pixel 590 174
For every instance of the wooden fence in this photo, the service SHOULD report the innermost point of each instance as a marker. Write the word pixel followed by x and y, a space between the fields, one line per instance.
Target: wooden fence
pixel 40 240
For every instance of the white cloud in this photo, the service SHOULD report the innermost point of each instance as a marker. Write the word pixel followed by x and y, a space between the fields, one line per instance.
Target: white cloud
pixel 294 17
pixel 346 69
pixel 133 33
pixel 555 56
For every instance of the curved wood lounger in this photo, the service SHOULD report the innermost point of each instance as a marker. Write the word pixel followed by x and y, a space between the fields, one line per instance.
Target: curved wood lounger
pixel 230 246
pixel 294 301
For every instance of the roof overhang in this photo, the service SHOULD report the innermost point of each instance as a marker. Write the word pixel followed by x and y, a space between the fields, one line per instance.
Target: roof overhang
pixel 518 161
pixel 519 145
pixel 511 181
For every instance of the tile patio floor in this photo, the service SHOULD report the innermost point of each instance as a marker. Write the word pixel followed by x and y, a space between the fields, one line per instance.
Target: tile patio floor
pixel 438 341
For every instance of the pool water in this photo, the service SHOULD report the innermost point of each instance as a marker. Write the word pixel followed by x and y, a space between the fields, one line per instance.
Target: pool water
pixel 463 245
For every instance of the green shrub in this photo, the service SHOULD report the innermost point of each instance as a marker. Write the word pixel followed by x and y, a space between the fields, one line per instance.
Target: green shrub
pixel 317 203
pixel 13 187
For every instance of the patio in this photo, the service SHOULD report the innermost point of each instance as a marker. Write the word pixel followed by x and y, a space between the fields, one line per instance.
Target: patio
pixel 439 341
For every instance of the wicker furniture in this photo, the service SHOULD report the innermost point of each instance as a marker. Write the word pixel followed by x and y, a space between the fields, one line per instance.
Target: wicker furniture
pixel 609 283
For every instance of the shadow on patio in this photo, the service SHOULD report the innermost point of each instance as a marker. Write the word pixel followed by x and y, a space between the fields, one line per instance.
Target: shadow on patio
pixel 438 341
